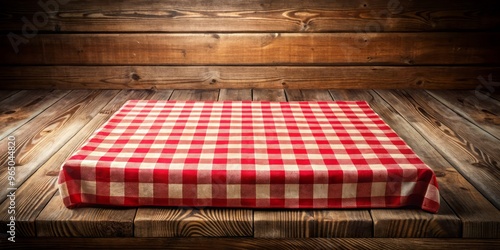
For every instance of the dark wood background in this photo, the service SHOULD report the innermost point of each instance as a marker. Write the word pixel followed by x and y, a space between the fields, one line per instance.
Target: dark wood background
pixel 140 44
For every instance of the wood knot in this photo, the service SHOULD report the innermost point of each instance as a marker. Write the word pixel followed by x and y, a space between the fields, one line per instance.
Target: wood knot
pixel 213 81
pixel 439 174
pixel 409 61
pixel 52 173
pixel 135 77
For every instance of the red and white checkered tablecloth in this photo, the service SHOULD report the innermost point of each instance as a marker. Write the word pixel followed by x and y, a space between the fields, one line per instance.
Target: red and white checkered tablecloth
pixel 307 155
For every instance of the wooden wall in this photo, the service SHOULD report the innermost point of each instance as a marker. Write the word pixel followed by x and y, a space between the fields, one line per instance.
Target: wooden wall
pixel 143 44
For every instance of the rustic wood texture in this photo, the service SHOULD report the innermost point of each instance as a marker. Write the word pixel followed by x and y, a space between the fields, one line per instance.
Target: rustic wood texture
pixel 307 95
pixel 273 95
pixel 405 222
pixel 482 111
pixel 235 95
pixel 218 44
pixel 312 224
pixel 37 191
pixel 23 106
pixel 249 243
pixel 194 95
pixel 444 48
pixel 462 144
pixel 207 222
pixel 4 94
pixel 206 77
pixel 56 220
pixel 43 136
pixel 257 16
pixel 480 219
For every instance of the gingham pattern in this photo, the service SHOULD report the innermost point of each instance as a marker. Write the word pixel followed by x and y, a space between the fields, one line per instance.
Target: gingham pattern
pixel 250 155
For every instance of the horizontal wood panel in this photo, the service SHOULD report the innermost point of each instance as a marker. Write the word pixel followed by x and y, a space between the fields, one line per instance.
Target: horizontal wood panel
pixel 254 16
pixel 58 221
pixel 255 49
pixel 312 224
pixel 187 222
pixel 250 243
pixel 205 77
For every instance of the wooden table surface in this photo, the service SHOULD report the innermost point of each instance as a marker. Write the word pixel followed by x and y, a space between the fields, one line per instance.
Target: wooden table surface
pixel 456 133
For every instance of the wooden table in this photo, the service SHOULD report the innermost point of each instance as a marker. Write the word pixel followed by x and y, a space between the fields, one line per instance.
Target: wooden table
pixel 455 132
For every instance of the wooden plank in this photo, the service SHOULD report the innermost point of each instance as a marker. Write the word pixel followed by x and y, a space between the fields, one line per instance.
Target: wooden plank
pixel 163 94
pixel 215 77
pixel 312 223
pixel 414 223
pixel 189 222
pixel 35 193
pixel 251 243
pixel 404 222
pixel 56 220
pixel 494 94
pixel 293 95
pixel 208 222
pixel 308 223
pixel 197 95
pixel 480 219
pixel 483 112
pixel 471 150
pixel 22 107
pixel 255 16
pixel 273 95
pixel 5 94
pixel 235 95
pixel 40 138
pixel 447 48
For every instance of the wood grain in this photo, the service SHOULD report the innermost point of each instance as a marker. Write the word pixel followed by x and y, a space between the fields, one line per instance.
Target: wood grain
pixel 273 95
pixel 482 111
pixel 163 94
pixel 235 95
pixel 194 95
pixel 40 138
pixel 250 243
pixel 215 77
pixel 37 191
pixel 404 222
pixel 56 220
pixel 443 48
pixel 414 223
pixel 464 145
pixel 207 222
pixel 5 94
pixel 480 219
pixel 24 106
pixel 311 224
pixel 256 16
pixel 307 95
